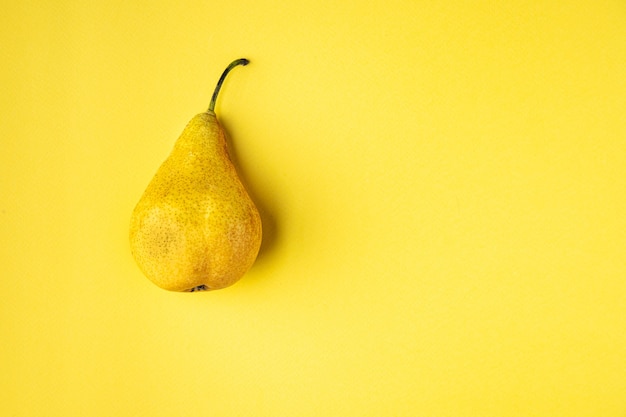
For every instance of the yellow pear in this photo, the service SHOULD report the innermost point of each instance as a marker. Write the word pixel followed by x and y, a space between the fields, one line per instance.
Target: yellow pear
pixel 195 227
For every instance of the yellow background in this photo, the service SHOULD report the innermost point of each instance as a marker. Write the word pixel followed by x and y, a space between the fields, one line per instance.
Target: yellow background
pixel 443 194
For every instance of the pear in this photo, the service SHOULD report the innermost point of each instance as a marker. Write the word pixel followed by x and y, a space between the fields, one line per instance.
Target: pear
pixel 196 228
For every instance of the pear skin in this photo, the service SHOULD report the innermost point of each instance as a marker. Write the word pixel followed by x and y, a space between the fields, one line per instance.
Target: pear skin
pixel 196 227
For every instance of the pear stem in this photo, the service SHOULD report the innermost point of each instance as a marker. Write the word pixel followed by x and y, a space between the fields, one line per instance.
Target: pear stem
pixel 240 61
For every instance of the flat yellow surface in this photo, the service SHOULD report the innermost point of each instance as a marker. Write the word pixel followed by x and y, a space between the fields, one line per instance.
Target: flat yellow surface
pixel 443 189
